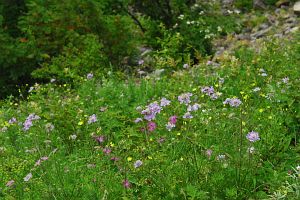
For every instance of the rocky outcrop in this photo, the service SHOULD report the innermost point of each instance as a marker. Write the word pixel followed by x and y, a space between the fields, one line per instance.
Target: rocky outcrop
pixel 296 8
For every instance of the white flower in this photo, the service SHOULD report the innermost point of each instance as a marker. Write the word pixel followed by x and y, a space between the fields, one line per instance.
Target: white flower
pixel 73 137
pixel 28 177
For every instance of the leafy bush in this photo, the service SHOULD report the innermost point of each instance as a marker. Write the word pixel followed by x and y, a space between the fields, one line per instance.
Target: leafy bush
pixel 82 54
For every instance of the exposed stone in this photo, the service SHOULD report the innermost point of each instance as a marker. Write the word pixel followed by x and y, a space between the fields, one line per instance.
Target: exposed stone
pixel 297 8
pixel 291 20
pixel 259 4
pixel 278 35
pixel 261 33
pixel 282 3
pixel 263 26
pixel 291 30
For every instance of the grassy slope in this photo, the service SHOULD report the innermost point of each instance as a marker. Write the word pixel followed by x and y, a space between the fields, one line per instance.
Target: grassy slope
pixel 178 168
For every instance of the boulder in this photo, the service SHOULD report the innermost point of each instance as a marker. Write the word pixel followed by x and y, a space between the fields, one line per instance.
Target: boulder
pixel 297 8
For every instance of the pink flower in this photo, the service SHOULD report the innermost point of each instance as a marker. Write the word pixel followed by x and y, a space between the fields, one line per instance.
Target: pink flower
pixel 126 184
pixel 107 150
pixel 37 163
pixel 208 153
pixel 114 158
pixel 10 183
pixel 100 138
pixel 151 126
pixel 173 119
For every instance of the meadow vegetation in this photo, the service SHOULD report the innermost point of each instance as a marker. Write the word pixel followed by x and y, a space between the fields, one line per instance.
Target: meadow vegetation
pixel 149 112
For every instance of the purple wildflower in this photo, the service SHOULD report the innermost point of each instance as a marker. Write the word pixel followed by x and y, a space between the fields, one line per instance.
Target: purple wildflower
pixel 208 90
pixel 187 115
pixel 185 98
pixel 12 120
pixel 137 120
pixel 227 101
pixel 92 119
pixel 126 184
pixel 151 126
pixel 89 75
pixel 253 136
pixel 151 111
pixel 137 164
pixel 27 124
pixel 194 107
pixel 169 126
pixel 235 102
pixel 164 102
pixel 33 117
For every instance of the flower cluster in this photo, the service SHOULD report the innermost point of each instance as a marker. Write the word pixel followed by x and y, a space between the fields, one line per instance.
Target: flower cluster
pixel 164 102
pixel 92 119
pixel 210 91
pixel 28 122
pixel 234 102
pixel 151 111
pixel 172 123
pixel 185 98
pixel 12 120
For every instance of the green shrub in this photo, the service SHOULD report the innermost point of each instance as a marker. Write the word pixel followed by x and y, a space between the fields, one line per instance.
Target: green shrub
pixel 81 55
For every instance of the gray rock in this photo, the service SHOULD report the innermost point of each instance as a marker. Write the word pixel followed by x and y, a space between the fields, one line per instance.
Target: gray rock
pixel 263 26
pixel 278 35
pixel 259 4
pixel 291 30
pixel 296 8
pixel 282 3
pixel 243 37
pixel 291 20
pixel 261 33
